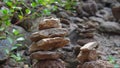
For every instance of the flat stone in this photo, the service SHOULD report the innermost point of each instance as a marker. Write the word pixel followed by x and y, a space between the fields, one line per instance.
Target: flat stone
pixel 49 64
pixel 49 44
pixel 86 35
pixel 49 23
pixel 85 56
pixel 89 46
pixel 96 64
pixel 49 33
pixel 45 55
pixel 110 27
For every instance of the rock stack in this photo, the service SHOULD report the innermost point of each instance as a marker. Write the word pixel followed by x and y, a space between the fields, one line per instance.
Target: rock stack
pixel 46 41
pixel 86 32
pixel 88 57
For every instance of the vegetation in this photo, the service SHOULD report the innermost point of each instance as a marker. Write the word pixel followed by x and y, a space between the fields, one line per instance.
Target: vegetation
pixel 113 61
pixel 24 10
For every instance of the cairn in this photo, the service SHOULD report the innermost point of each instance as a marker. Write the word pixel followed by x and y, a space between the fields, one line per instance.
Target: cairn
pixel 50 37
pixel 88 57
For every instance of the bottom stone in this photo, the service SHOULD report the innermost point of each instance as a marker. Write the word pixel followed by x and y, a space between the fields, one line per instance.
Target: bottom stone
pixel 96 64
pixel 49 64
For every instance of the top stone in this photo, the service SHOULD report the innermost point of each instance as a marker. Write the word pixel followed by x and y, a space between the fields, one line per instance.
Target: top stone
pixel 50 23
pixel 89 46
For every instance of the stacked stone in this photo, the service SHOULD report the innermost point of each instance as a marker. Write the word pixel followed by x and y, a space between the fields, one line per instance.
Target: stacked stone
pixel 86 32
pixel 50 37
pixel 88 57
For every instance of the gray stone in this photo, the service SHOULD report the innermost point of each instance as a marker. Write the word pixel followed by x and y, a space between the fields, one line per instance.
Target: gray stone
pixel 110 27
pixel 97 64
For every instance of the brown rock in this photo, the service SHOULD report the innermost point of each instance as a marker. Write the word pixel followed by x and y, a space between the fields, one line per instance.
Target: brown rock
pixel 49 64
pixel 49 23
pixel 87 35
pixel 85 56
pixel 45 55
pixel 89 46
pixel 116 12
pixel 88 52
pixel 49 44
pixel 96 64
pixel 49 33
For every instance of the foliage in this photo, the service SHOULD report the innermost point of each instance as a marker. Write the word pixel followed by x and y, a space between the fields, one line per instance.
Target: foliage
pixel 113 61
pixel 24 10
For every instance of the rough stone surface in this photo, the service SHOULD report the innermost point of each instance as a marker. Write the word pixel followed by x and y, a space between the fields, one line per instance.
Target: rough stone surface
pixel 96 64
pixel 90 7
pixel 89 46
pixel 49 44
pixel 4 45
pixel 105 13
pixel 49 33
pixel 45 55
pixel 86 35
pixel 116 12
pixel 85 56
pixel 110 27
pixel 49 64
pixel 49 23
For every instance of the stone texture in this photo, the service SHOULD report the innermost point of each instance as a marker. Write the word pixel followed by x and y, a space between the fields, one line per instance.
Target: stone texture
pixel 49 33
pixel 116 12
pixel 49 64
pixel 85 56
pixel 45 55
pixel 110 27
pixel 105 13
pixel 90 7
pixel 88 52
pixel 86 35
pixel 89 46
pixel 49 44
pixel 84 41
pixel 96 64
pixel 49 23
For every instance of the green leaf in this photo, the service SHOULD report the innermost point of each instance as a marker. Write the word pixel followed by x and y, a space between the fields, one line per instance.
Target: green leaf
pixel 7 23
pixel 54 8
pixel 2 28
pixel 18 45
pixel 20 17
pixel 10 40
pixel 33 4
pixel 16 57
pixel 4 11
pixel 28 11
pixel 2 37
pixel 111 59
pixel 13 48
pixel 18 8
pixel 46 11
pixel 20 39
pixel 15 32
pixel 7 51
pixel 9 3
